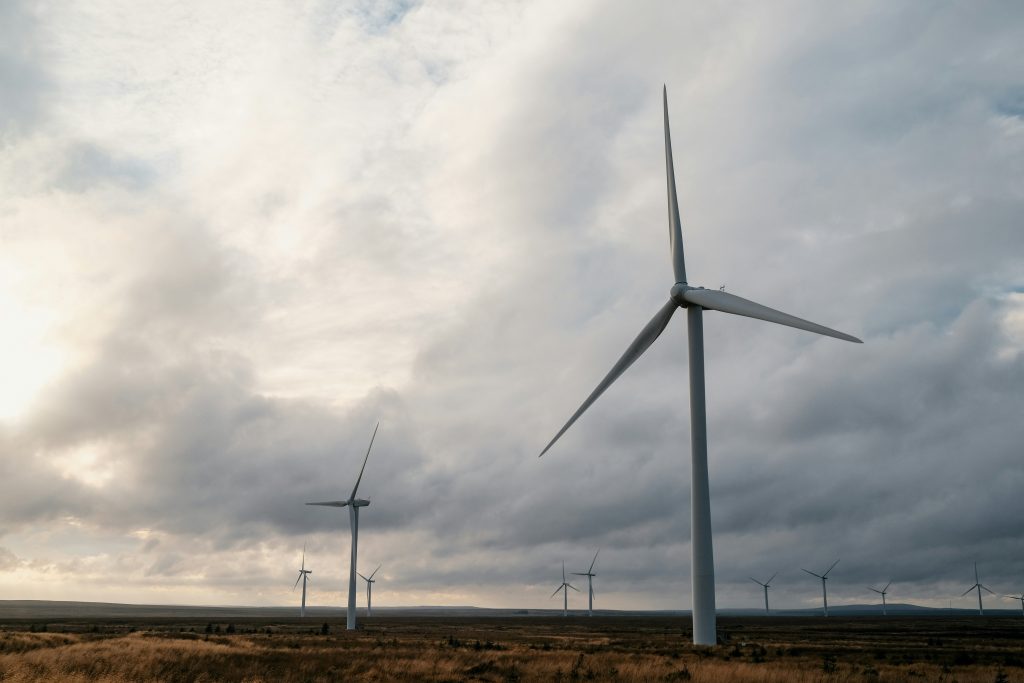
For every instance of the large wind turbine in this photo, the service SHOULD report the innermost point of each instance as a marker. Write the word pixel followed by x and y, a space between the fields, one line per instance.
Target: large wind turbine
pixel 590 584
pixel 695 300
pixel 303 577
pixel 353 504
pixel 565 589
pixel 766 585
pixel 978 586
pixel 824 578
pixel 882 593
pixel 369 590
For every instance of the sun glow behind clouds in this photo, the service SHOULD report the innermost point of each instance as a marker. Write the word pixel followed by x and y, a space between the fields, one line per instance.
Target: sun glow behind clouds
pixel 28 357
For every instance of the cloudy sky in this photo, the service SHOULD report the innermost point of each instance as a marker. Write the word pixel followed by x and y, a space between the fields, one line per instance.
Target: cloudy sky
pixel 234 235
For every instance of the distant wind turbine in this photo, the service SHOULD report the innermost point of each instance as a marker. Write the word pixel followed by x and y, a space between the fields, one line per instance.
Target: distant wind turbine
pixel 303 577
pixel 1021 598
pixel 979 587
pixel 695 300
pixel 766 585
pixel 565 589
pixel 369 590
pixel 882 593
pixel 353 504
pixel 590 584
pixel 824 578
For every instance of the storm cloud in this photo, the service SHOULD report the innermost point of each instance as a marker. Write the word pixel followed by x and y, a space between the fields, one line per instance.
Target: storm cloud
pixel 233 241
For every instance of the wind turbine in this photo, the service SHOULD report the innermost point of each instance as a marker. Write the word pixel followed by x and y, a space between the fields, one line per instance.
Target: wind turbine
pixel 824 578
pixel 590 583
pixel 882 593
pixel 695 300
pixel 979 586
pixel 565 588
pixel 766 585
pixel 369 590
pixel 1021 598
pixel 303 577
pixel 353 504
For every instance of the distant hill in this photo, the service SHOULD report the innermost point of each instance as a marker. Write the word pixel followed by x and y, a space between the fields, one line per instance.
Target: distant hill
pixel 58 609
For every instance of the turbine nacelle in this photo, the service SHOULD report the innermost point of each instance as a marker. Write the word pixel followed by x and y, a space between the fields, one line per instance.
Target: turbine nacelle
pixel 678 293
pixel 357 503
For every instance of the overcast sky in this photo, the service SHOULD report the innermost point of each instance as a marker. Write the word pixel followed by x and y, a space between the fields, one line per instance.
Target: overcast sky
pixel 234 235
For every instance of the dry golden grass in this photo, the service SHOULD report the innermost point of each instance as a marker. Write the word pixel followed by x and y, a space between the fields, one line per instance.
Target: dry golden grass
pixel 497 650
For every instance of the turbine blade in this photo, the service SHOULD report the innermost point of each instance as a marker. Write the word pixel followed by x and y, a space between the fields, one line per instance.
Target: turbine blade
pixel 375 570
pixel 577 573
pixel 556 592
pixel 984 587
pixel 830 569
pixel 768 582
pixel 569 585
pixel 811 573
pixel 594 560
pixel 356 487
pixel 643 342
pixel 675 233
pixel 303 555
pixel 297 580
pixel 887 587
pixel 874 589
pixel 332 503
pixel 717 300
pixel 756 581
pixel 362 577
pixel 968 590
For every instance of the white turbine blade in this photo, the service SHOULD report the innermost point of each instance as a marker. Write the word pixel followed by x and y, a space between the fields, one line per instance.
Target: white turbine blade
pixel 769 581
pixel 556 592
pixel 593 561
pixel 874 589
pixel 968 590
pixel 884 590
pixel 811 573
pixel 569 585
pixel 578 574
pixel 356 487
pixel 375 570
pixel 643 342
pixel 984 587
pixel 830 569
pixel 362 577
pixel 303 556
pixel 756 581
pixel 675 233
pixel 297 580
pixel 332 503
pixel 717 300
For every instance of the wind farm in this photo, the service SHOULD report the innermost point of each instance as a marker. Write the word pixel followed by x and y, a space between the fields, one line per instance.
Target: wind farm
pixel 710 293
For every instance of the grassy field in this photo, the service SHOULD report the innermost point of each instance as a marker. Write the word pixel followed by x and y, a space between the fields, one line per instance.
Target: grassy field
pixel 515 649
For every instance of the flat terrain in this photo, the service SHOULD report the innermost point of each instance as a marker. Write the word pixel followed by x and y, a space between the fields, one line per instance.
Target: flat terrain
pixel 765 650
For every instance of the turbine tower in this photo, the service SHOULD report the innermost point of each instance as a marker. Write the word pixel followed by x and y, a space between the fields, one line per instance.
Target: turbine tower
pixel 978 586
pixel 353 504
pixel 766 585
pixel 882 593
pixel 565 589
pixel 303 577
pixel 695 300
pixel 369 590
pixel 590 584
pixel 824 578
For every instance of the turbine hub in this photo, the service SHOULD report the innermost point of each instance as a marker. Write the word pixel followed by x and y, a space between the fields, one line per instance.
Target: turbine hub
pixel 677 291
